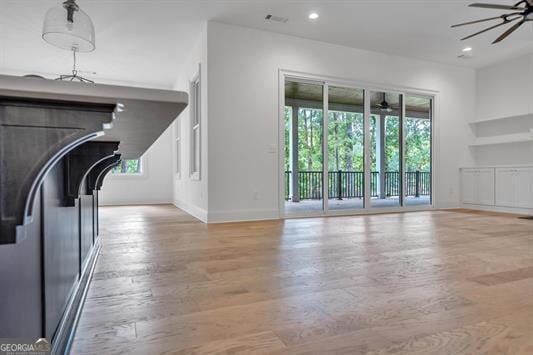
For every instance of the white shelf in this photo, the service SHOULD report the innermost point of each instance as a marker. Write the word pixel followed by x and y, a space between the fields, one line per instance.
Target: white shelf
pixel 492 119
pixel 504 139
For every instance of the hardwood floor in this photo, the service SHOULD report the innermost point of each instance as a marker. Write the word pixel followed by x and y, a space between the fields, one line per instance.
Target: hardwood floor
pixel 442 282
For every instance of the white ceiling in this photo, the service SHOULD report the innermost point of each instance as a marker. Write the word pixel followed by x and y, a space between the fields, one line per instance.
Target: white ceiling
pixel 144 42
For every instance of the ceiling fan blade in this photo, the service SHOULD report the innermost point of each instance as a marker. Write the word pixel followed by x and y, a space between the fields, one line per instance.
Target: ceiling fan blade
pixel 477 21
pixel 488 29
pixel 496 7
pixel 509 31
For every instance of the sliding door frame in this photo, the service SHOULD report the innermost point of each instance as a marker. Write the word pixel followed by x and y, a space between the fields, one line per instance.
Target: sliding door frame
pixel 281 144
pixel 326 82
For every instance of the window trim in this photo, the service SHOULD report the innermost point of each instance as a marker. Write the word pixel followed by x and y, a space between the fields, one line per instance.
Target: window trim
pixel 195 89
pixel 177 148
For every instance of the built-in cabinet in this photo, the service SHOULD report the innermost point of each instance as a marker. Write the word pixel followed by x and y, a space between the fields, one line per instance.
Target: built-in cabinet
pixel 478 186
pixel 514 187
pixel 508 187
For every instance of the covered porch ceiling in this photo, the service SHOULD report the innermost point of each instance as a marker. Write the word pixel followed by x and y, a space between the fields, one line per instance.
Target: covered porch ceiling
pixel 352 100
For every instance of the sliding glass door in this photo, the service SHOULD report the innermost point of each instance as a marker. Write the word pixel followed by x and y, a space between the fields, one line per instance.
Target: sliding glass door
pixel 346 154
pixel 417 147
pixel 304 158
pixel 385 152
pixel 352 149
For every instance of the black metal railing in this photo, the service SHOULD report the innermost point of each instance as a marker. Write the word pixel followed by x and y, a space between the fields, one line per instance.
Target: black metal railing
pixel 350 184
pixel 310 183
pixel 417 183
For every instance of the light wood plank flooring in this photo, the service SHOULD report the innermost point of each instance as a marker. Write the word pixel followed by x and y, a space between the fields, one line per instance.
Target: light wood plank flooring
pixel 441 282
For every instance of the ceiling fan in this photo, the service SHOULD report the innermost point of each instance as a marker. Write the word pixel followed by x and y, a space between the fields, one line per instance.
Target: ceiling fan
pixel 522 10
pixel 384 105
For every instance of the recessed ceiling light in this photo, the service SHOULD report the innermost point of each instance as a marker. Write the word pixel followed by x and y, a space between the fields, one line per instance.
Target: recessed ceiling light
pixel 313 16
pixel 467 49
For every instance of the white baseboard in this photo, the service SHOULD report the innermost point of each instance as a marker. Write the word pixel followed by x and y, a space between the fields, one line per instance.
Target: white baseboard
pixel 134 203
pixel 194 211
pixel 242 215
pixel 443 205
pixel 525 211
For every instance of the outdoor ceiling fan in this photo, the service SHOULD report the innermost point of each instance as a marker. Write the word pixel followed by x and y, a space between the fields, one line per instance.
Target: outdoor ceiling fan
pixel 384 105
pixel 523 11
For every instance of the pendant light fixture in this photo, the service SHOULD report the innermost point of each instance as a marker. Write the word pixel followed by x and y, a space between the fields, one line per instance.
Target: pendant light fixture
pixel 68 27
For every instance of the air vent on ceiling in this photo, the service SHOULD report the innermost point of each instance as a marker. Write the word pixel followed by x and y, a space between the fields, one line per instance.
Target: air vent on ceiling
pixel 464 56
pixel 270 17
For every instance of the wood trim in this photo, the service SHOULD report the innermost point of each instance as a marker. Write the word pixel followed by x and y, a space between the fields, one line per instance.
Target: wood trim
pixel 92 177
pixel 104 173
pixel 80 161
pixel 34 135
pixel 57 104
pixel 69 322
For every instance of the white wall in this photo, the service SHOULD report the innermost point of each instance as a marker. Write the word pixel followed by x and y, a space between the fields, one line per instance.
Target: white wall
pixel 155 184
pixel 188 194
pixel 505 90
pixel 243 111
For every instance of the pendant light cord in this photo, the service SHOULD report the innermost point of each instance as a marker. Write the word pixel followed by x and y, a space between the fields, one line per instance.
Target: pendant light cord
pixel 74 75
pixel 74 66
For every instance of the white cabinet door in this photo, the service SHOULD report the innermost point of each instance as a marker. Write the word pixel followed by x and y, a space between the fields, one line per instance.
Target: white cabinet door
pixel 485 185
pixel 477 186
pixel 468 186
pixel 524 188
pixel 505 187
pixel 514 187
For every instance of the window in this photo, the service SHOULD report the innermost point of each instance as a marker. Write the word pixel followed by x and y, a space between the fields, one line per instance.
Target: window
pixel 129 167
pixel 177 137
pixel 195 128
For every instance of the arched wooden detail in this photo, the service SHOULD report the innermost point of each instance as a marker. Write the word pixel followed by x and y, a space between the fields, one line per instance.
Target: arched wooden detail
pixel 92 177
pixel 34 135
pixel 80 161
pixel 103 174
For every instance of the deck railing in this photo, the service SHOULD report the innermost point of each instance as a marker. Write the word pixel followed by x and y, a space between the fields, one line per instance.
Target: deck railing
pixel 350 184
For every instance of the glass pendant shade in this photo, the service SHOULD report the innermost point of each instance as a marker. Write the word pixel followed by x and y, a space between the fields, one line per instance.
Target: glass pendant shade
pixel 66 26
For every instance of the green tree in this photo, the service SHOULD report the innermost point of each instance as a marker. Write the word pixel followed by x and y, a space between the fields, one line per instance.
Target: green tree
pixel 346 141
